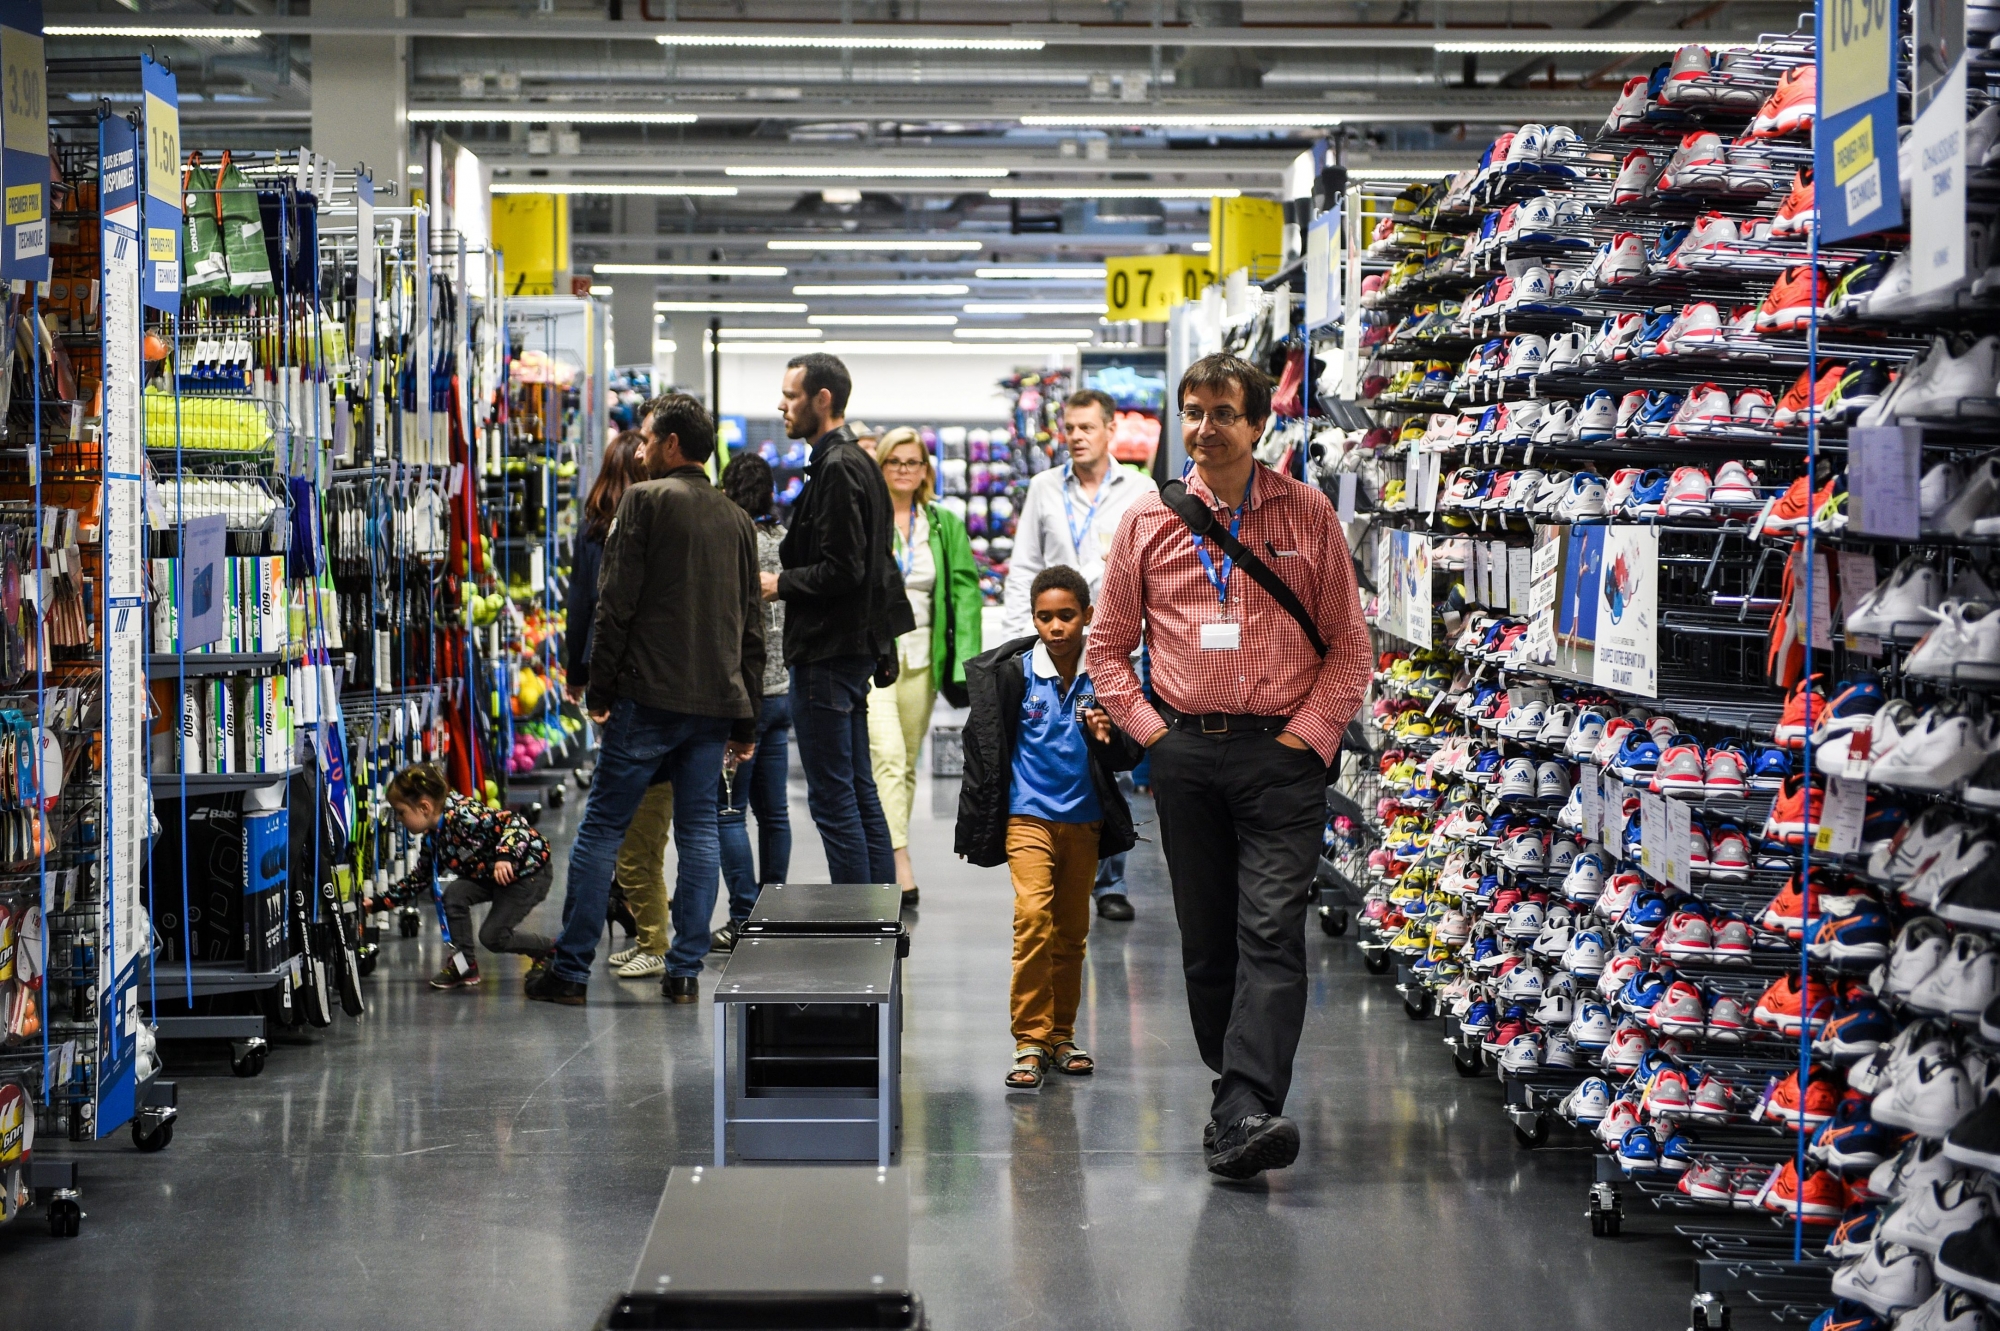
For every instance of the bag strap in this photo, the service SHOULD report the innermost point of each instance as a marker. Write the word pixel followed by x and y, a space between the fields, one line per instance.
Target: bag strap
pixel 1195 516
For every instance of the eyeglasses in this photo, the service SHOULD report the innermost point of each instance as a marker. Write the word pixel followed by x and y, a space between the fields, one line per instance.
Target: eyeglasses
pixel 905 462
pixel 1221 418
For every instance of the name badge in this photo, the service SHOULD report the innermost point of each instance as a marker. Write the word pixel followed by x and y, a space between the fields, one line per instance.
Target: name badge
pixel 1221 636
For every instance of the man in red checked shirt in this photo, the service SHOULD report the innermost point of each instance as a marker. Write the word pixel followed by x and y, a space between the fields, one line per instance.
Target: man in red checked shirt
pixel 1249 718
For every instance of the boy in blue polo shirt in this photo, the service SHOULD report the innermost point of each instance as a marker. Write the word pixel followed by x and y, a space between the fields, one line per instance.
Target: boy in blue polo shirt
pixel 1040 795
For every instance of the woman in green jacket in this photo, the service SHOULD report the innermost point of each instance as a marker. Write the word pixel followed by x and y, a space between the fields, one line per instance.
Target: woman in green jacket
pixel 935 555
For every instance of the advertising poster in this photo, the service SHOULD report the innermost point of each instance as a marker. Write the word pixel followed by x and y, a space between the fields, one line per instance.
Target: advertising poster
pixel 1579 570
pixel 1628 616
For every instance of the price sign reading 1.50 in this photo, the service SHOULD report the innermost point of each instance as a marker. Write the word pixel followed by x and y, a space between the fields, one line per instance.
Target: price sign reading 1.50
pixel 1856 37
pixel 163 150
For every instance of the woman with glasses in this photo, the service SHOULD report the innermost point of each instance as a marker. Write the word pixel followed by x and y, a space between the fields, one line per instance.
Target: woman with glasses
pixel 935 555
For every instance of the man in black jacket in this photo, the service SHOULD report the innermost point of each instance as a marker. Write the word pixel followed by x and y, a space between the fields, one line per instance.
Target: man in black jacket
pixel 676 680
pixel 844 607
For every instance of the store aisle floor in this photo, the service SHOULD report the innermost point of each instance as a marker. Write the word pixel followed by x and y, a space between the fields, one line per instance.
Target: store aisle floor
pixel 473 1160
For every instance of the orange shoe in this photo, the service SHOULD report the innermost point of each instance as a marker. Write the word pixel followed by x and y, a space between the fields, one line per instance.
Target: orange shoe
pixel 1802 401
pixel 1792 511
pixel 1790 108
pixel 1796 813
pixel 1795 215
pixel 1792 300
pixel 1779 1009
pixel 1780 1105
pixel 1822 1200
pixel 1796 724
pixel 1786 912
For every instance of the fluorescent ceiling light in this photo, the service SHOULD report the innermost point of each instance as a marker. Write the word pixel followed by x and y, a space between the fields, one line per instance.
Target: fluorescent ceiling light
pixel 952 246
pixel 885 320
pixel 1017 334
pixel 729 333
pixel 597 290
pixel 665 345
pixel 579 187
pixel 851 42
pixel 864 172
pixel 1200 247
pixel 544 114
pixel 188 32
pixel 1198 120
pixel 1111 192
pixel 1052 272
pixel 1391 173
pixel 884 289
pixel 729 307
pixel 1528 44
pixel 902 347
pixel 1036 307
pixel 693 269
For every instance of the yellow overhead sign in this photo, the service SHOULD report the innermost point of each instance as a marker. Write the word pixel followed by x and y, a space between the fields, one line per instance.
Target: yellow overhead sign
pixel 1145 286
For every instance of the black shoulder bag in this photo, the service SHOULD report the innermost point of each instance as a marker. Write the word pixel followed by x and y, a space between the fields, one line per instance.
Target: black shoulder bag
pixel 1195 516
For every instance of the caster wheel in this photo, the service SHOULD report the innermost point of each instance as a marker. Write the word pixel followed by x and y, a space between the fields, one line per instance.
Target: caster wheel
pixel 532 812
pixel 1333 923
pixel 364 959
pixel 1708 1313
pixel 1377 963
pixel 583 775
pixel 1597 1226
pixel 1467 1063
pixel 248 1064
pixel 1529 1138
pixel 409 926
pixel 157 1140
pixel 1418 1009
pixel 556 797
pixel 65 1218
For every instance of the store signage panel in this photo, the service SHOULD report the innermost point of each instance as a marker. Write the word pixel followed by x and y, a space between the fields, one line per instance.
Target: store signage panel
pixel 1854 136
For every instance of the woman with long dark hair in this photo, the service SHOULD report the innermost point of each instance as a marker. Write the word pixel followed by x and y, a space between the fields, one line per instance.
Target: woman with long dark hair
pixel 759 785
pixel 639 892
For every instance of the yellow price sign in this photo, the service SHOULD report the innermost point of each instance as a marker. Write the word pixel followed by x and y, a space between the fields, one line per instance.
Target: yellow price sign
pixel 1144 287
pixel 1855 36
pixel 163 150
pixel 24 204
pixel 160 243
pixel 24 93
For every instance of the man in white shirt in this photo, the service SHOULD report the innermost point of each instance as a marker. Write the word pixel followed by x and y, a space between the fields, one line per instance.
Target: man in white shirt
pixel 1069 516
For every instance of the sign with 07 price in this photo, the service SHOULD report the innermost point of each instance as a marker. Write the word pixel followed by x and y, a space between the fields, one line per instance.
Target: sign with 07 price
pixel 1145 286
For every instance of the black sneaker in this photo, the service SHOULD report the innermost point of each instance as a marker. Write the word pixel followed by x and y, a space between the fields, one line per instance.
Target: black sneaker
pixel 1254 1144
pixel 1975 898
pixel 1114 906
pixel 1976 1139
pixel 458 972
pixel 549 987
pixel 1209 1132
pixel 681 988
pixel 723 939
pixel 1970 1259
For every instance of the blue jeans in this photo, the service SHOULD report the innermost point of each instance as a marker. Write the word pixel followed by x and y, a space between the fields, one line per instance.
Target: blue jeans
pixel 830 718
pixel 1110 874
pixel 640 742
pixel 760 787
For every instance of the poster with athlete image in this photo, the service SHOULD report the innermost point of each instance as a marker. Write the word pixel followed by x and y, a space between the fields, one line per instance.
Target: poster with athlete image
pixel 1628 612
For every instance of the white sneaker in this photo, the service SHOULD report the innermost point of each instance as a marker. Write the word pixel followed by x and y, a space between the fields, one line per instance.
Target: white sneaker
pixel 1911 377
pixel 1584 500
pixel 642 967
pixel 1901 605
pixel 1949 1309
pixel 1687 493
pixel 1735 486
pixel 1887 1278
pixel 1941 484
pixel 1565 352
pixel 1557 424
pixel 1958 387
pixel 1965 981
pixel 1927 1218
pixel 617 959
pixel 1627 260
pixel 1911 1171
pixel 1964 646
pixel 1633 173
pixel 1939 753
pixel 1918 951
pixel 1929 1101
pixel 1972 511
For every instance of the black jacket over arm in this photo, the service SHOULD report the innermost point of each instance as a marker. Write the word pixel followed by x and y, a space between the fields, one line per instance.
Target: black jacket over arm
pixel 580 608
pixel 842 591
pixel 997 685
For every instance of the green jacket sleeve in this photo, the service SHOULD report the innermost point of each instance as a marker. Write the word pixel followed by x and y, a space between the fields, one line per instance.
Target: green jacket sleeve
pixel 955 600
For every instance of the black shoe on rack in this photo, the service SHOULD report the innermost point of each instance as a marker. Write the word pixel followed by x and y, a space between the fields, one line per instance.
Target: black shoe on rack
pixel 681 988
pixel 1975 1140
pixel 549 987
pixel 1970 1259
pixel 724 939
pixel 1252 1145
pixel 1114 906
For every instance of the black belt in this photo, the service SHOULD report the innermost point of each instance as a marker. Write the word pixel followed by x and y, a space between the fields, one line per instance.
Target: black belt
pixel 1221 723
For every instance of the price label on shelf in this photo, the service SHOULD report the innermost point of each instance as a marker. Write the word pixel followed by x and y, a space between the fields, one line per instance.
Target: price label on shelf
pixel 1653 835
pixel 1680 844
pixel 1839 831
pixel 1593 803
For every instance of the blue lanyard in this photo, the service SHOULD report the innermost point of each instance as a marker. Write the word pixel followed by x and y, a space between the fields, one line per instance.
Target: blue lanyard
pixel 908 552
pixel 1221 580
pixel 1076 533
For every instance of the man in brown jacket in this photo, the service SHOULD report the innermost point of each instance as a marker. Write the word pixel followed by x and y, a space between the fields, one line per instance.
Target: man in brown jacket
pixel 676 676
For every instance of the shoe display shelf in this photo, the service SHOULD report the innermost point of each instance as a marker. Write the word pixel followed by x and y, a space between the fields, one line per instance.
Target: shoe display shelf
pixel 1810 1116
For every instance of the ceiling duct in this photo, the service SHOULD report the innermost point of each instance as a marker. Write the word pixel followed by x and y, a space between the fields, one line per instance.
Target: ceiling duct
pixel 1211 68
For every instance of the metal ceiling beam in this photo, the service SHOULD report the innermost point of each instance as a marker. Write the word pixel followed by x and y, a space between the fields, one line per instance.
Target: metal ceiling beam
pixel 903 35
pixel 1285 112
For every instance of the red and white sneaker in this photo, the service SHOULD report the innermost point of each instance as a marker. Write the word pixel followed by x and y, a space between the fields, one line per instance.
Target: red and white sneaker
pixel 1728 1017
pixel 1680 772
pixel 1633 173
pixel 1709 230
pixel 1729 855
pixel 1706 408
pixel 1735 487
pixel 1687 937
pixel 1700 325
pixel 1697 164
pixel 1714 1099
pixel 1727 772
pixel 1630 108
pixel 1687 494
pixel 1755 409
pixel 1735 942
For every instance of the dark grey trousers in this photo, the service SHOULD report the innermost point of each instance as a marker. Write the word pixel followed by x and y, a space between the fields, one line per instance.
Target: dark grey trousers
pixel 500 930
pixel 1241 817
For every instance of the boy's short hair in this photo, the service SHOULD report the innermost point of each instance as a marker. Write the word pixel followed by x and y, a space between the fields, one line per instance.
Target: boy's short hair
pixel 1060 578
pixel 421 782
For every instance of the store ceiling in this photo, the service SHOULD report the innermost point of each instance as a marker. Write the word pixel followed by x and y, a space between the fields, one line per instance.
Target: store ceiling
pixel 894 118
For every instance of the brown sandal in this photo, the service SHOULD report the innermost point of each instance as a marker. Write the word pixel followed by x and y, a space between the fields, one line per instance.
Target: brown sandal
pixel 1031 1063
pixel 1077 1062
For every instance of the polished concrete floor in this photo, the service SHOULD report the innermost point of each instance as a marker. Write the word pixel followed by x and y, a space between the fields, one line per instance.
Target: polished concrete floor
pixel 473 1160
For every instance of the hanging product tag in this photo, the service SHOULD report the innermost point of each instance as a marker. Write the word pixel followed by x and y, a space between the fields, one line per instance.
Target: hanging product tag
pixel 1859 744
pixel 1680 844
pixel 1840 823
pixel 1653 835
